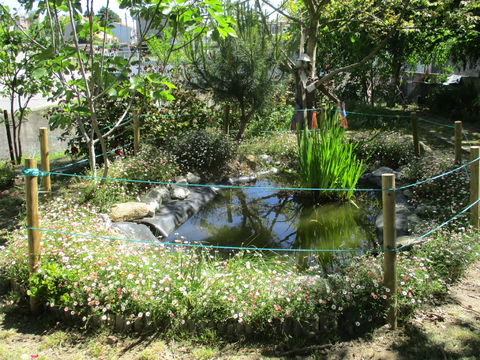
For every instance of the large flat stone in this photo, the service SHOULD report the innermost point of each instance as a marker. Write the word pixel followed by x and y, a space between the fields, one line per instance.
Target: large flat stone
pixel 134 231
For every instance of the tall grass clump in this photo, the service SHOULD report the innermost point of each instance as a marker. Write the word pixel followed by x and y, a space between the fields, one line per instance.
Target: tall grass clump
pixel 327 160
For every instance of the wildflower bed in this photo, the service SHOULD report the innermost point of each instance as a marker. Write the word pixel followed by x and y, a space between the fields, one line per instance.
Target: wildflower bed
pixel 96 276
pixel 93 275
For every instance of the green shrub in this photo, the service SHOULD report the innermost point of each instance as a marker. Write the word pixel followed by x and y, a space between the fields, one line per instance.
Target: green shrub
pixel 203 151
pixel 150 165
pixel 389 149
pixel 7 175
pixel 187 112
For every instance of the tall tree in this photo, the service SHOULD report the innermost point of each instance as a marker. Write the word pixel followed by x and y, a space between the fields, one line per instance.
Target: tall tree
pixel 19 80
pixel 316 19
pixel 88 80
pixel 239 69
pixel 105 14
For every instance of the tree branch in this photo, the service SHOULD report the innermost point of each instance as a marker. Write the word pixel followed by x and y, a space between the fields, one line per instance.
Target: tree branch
pixel 394 28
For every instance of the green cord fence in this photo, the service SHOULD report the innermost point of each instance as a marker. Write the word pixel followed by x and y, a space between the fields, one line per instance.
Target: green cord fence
pixel 388 198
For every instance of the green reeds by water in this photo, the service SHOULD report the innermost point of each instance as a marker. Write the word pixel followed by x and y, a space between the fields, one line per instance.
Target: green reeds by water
pixel 327 159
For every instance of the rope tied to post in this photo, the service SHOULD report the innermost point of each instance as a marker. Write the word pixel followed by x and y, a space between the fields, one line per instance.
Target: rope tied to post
pixel 33 172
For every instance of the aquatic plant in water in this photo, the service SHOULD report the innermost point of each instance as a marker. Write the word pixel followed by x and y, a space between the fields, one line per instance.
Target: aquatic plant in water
pixel 327 160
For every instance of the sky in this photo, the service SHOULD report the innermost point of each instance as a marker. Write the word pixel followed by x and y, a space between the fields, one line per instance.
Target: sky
pixel 113 5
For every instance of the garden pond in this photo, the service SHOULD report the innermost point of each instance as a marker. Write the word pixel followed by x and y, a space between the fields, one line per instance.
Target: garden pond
pixel 260 214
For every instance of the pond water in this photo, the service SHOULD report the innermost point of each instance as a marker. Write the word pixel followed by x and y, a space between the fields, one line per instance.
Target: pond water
pixel 276 219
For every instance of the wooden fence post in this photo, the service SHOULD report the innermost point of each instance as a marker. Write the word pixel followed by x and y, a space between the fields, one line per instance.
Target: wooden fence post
pixel 226 120
pixel 458 142
pixel 136 132
pixel 31 189
pixel 474 185
pixel 416 143
pixel 389 245
pixel 45 161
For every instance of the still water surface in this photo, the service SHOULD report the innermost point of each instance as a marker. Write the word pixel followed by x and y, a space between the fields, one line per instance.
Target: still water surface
pixel 265 218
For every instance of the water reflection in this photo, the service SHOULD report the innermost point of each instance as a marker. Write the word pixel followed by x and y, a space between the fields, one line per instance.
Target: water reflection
pixel 263 218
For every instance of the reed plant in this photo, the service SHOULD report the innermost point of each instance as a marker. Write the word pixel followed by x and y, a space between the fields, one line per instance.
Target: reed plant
pixel 327 160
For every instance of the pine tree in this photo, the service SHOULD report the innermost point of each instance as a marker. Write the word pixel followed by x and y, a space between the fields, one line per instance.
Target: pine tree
pixel 239 69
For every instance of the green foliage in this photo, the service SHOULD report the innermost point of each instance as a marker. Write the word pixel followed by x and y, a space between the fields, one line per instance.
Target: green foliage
pixel 107 79
pixel 426 271
pixel 185 113
pixel 21 76
pixel 274 115
pixel 327 160
pixel 7 175
pixel 457 102
pixel 151 164
pixel 390 149
pixel 241 69
pixel 116 137
pixel 104 13
pixel 445 195
pixel 203 151
pixel 281 146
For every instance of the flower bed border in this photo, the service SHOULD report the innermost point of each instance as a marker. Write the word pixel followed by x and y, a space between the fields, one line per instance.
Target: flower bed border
pixel 318 328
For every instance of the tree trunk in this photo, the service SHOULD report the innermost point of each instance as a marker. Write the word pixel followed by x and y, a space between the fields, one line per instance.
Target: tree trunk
pixel 9 137
pixel 244 119
pixel 394 83
pixel 91 156
pixel 14 129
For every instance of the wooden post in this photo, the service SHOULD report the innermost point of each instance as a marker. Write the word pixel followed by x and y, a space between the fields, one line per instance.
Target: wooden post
pixel 31 189
pixel 458 142
pixel 474 185
pixel 136 132
pixel 226 120
pixel 389 245
pixel 9 137
pixel 45 160
pixel 416 144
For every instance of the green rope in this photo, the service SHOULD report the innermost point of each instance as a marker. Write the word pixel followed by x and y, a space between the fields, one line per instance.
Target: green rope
pixel 446 222
pixel 432 122
pixel 207 246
